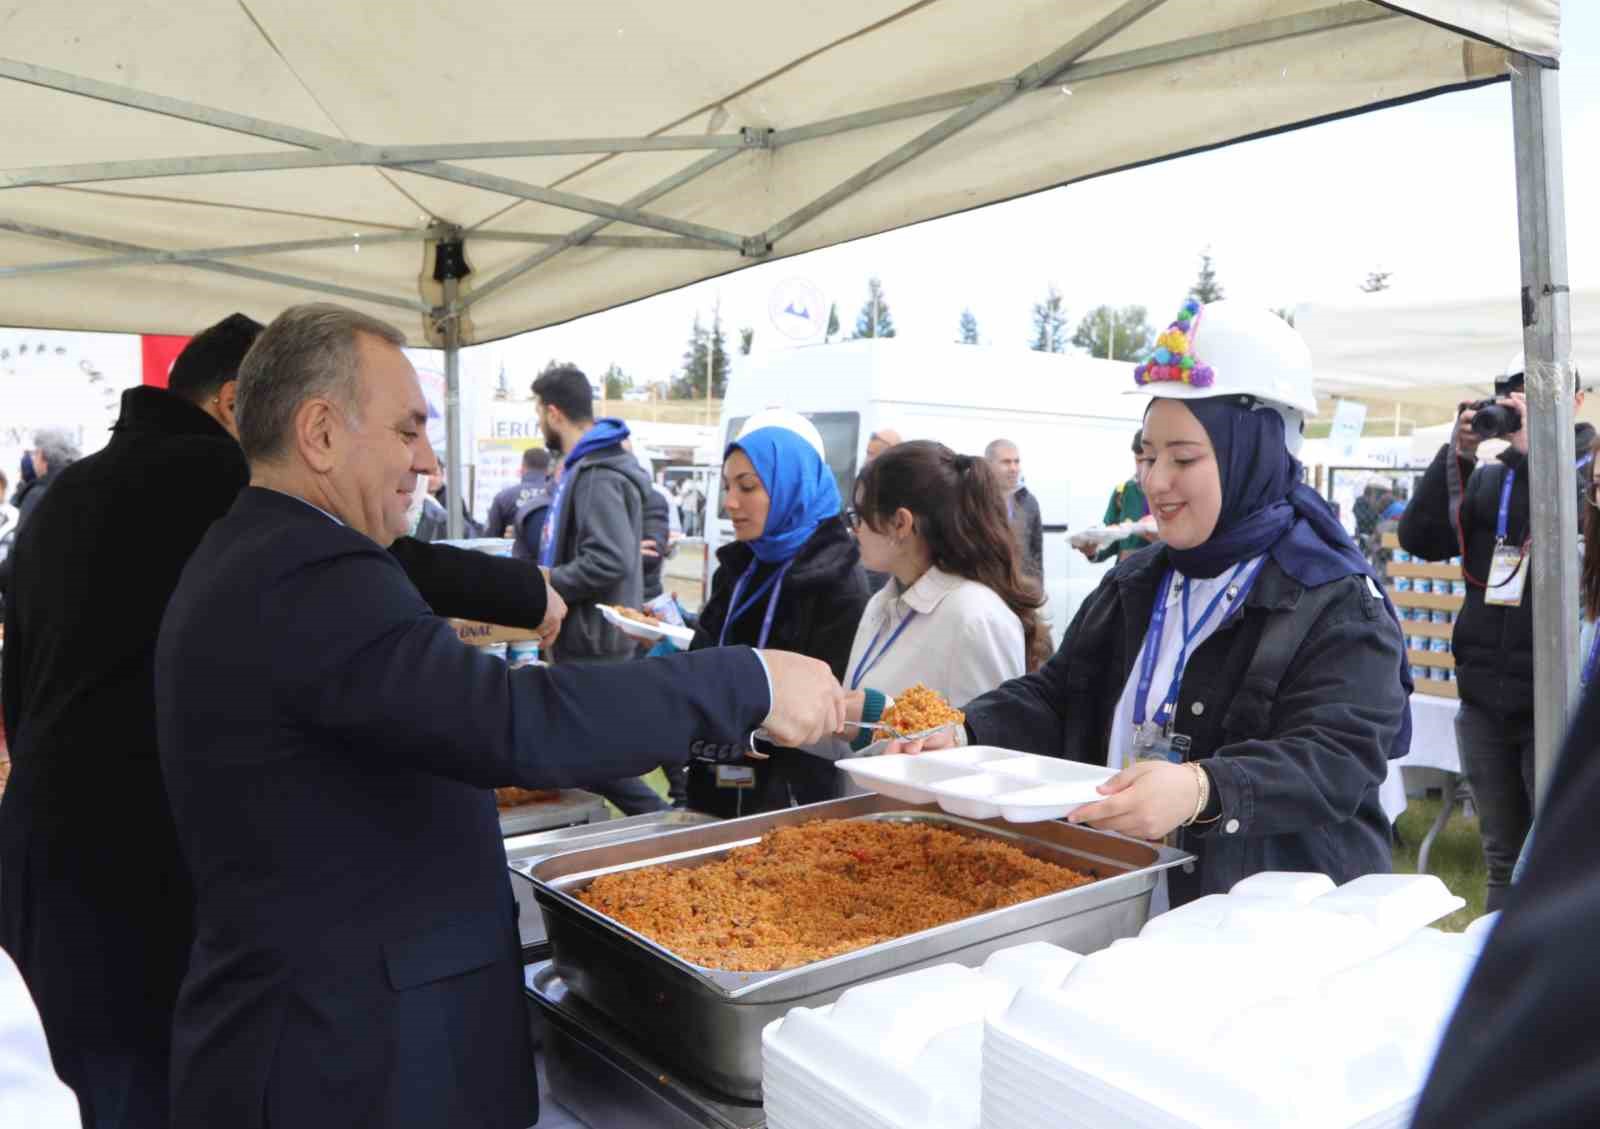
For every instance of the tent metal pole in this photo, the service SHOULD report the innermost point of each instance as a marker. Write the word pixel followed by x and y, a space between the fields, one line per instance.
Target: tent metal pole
pixel 208 254
pixel 589 230
pixel 39 232
pixel 1547 352
pixel 455 473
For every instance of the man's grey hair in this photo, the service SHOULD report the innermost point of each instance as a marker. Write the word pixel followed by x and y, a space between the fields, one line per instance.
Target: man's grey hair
pixel 307 351
pixel 57 446
pixel 994 448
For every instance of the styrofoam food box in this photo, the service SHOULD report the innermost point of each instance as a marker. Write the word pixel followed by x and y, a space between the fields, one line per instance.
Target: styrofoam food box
pixel 984 782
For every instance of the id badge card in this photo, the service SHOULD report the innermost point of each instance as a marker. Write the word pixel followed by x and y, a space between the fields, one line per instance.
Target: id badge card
pixel 736 776
pixel 1153 743
pixel 1508 576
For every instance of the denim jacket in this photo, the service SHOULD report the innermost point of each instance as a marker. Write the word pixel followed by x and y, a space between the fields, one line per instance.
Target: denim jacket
pixel 1296 775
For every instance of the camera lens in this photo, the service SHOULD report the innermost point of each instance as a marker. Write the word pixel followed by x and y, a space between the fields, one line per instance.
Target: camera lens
pixel 1496 421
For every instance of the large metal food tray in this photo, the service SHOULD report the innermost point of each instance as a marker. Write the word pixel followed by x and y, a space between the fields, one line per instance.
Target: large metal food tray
pixel 573 806
pixel 707 1022
pixel 523 851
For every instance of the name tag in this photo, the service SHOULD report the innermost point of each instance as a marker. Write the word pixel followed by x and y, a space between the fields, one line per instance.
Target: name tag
pixel 735 776
pixel 1508 576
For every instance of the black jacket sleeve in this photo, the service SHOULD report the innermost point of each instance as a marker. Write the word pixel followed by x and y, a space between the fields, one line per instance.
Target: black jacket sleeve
pixel 397 685
pixel 657 527
pixel 467 584
pixel 1425 529
pixel 499 516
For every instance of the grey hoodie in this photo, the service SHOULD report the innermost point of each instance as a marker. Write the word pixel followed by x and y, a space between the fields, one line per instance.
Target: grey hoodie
pixel 598 559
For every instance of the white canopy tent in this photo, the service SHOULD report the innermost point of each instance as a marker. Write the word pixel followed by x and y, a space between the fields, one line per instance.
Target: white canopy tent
pixel 1418 360
pixel 473 168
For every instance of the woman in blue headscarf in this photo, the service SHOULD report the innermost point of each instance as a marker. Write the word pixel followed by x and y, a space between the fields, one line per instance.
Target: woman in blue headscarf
pixel 1245 675
pixel 790 581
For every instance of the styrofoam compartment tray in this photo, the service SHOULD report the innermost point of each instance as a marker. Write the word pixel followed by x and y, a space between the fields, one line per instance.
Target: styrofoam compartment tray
pixel 984 782
pixel 646 632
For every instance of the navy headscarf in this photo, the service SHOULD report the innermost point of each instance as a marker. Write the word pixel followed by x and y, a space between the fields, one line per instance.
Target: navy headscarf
pixel 799 484
pixel 1266 508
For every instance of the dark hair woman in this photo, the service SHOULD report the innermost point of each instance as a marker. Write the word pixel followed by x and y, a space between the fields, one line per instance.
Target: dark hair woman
pixel 792 581
pixel 958 617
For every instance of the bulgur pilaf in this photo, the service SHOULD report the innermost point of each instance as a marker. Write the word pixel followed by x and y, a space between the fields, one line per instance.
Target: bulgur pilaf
pixel 807 893
pixel 920 708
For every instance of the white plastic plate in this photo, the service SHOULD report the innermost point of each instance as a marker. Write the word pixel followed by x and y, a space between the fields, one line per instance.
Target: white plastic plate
pixel 984 782
pixel 648 632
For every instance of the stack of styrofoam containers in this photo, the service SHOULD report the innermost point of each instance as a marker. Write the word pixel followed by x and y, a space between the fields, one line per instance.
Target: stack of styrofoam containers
pixel 902 1053
pixel 1286 1002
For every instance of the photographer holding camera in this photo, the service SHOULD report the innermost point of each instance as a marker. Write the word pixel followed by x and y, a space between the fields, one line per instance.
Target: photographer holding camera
pixel 1493 637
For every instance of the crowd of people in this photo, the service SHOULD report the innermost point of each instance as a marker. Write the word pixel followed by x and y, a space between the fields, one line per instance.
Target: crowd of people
pixel 269 702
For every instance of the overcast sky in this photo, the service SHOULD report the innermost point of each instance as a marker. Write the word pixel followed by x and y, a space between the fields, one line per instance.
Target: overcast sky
pixel 1425 191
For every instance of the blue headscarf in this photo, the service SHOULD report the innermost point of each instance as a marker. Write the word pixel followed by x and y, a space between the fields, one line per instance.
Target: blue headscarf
pixel 800 485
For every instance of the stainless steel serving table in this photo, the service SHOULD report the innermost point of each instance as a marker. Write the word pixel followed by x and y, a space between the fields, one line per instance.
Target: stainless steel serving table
pixel 704 1024
pixel 574 806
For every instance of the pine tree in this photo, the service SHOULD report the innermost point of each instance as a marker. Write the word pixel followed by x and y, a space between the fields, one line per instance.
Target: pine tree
pixel 833 321
pixel 1049 323
pixel 874 320
pixel 690 384
pixel 1206 288
pixel 969 328
pixel 616 382
pixel 747 340
pixel 1118 335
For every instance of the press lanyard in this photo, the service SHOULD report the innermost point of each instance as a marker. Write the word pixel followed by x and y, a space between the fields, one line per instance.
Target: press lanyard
pixel 870 660
pixel 736 609
pixel 1505 505
pixel 1234 589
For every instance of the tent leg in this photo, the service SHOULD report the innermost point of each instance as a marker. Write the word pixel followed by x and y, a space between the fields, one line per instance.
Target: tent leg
pixel 1547 345
pixel 455 470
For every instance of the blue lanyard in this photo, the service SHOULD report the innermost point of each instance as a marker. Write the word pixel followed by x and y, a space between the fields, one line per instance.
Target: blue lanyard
pixel 869 660
pixel 736 609
pixel 1505 504
pixel 1158 623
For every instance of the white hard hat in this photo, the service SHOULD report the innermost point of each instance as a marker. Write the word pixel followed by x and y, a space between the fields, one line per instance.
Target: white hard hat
pixel 790 421
pixel 1230 349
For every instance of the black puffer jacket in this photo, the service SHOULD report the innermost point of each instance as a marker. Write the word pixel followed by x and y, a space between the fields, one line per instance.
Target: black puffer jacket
pixel 1295 769
pixel 817 615
pixel 1493 645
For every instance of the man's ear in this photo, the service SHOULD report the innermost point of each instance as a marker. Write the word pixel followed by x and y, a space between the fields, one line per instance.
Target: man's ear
pixel 317 429
pixel 227 406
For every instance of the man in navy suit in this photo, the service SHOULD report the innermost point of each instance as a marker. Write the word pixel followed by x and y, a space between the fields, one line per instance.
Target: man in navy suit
pixel 327 745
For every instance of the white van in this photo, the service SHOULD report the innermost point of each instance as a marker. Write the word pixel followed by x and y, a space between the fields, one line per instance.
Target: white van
pixel 1068 415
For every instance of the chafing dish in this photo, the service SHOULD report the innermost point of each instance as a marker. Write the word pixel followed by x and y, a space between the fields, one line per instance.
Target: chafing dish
pixel 707 1022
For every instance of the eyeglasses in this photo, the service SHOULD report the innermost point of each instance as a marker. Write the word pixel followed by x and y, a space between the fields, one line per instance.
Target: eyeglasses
pixel 852 520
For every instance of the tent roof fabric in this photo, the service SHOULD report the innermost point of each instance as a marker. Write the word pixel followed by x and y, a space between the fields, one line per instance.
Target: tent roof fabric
pixel 167 163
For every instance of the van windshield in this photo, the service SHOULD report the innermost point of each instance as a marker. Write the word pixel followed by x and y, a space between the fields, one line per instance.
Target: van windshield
pixel 840 432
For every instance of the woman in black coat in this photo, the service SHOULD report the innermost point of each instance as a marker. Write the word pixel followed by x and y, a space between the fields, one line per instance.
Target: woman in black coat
pixel 1245 675
pixel 792 581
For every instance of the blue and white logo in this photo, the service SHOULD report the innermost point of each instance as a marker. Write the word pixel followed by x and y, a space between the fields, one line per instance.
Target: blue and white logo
pixel 798 310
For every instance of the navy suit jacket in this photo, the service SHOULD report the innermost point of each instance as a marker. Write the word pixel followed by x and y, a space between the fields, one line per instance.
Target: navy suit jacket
pixel 327 744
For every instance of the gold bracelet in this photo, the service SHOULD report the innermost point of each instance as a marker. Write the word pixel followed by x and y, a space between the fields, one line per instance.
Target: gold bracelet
pixel 1202 797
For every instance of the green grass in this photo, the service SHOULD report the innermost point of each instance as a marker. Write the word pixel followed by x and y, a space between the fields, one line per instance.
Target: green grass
pixel 1457 857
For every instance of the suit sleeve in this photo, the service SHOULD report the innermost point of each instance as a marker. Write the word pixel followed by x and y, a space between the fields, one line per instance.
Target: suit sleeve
pixel 363 658
pixel 607 545
pixel 467 584
pixel 1425 529
pixel 1328 746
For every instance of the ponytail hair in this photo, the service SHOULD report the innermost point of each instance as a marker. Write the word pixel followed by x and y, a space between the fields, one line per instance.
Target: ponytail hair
pixel 960 511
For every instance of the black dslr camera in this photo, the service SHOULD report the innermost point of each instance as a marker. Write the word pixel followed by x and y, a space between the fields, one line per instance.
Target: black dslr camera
pixel 1495 420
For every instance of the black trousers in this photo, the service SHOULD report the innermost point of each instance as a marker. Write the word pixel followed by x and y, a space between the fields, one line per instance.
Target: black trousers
pixel 1497 759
